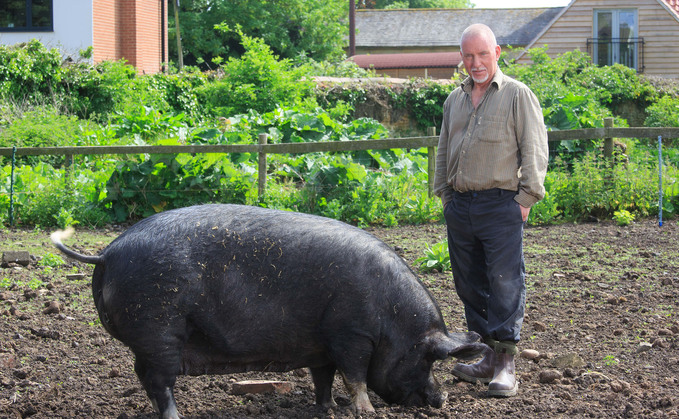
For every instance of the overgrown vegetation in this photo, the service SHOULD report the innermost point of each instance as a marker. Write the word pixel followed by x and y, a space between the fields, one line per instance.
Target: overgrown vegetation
pixel 45 103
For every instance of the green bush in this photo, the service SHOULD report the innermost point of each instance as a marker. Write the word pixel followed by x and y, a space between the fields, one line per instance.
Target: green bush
pixel 257 81
pixel 342 68
pixel 45 196
pixel 596 188
pixel 137 189
pixel 41 127
pixel 663 113
pixel 616 84
pixel 47 127
pixel 96 91
pixel 29 70
pixel 424 99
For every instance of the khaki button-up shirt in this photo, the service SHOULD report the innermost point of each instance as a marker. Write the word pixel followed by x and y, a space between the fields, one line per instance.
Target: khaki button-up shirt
pixel 500 144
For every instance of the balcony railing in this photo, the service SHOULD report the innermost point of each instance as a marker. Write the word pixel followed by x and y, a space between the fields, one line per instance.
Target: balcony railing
pixel 627 51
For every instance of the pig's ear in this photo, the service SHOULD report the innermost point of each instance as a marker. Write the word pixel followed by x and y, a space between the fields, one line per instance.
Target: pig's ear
pixel 460 345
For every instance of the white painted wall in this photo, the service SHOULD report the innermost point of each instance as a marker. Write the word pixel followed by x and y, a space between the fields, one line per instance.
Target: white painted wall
pixel 73 28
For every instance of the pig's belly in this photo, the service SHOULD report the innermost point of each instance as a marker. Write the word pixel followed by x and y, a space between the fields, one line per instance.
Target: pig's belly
pixel 203 357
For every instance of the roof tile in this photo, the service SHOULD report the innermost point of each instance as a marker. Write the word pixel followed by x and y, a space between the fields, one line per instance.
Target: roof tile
pixel 673 5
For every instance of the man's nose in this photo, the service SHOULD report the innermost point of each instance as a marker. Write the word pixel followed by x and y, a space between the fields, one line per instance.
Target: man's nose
pixel 476 61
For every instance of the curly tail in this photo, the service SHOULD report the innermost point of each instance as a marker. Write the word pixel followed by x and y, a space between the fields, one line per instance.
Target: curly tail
pixel 60 235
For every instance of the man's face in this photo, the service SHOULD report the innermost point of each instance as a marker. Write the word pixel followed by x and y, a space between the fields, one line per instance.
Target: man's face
pixel 479 58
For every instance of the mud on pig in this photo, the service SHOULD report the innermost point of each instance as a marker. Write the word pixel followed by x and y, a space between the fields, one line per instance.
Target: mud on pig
pixel 217 289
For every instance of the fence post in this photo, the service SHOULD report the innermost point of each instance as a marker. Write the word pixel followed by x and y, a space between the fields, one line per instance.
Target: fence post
pixel 11 188
pixel 261 181
pixel 431 161
pixel 69 160
pixel 608 141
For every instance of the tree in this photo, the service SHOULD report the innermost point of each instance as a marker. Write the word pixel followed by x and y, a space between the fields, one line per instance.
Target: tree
pixel 315 28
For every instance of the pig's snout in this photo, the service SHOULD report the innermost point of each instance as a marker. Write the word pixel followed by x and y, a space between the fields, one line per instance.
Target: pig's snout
pixel 430 397
pixel 437 399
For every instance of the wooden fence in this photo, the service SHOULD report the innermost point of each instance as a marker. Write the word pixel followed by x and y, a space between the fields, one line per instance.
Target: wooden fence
pixel 608 132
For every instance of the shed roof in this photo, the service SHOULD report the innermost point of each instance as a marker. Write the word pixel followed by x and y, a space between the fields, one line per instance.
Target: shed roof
pixel 414 60
pixel 443 27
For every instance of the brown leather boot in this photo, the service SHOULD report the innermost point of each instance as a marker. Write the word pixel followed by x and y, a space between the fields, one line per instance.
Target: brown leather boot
pixel 481 371
pixel 504 382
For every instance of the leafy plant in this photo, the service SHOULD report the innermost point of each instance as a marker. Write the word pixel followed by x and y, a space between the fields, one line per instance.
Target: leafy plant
pixel 623 217
pixel 148 124
pixel 51 260
pixel 610 360
pixel 138 189
pixel 6 283
pixel 435 257
pixel 65 218
pixel 34 283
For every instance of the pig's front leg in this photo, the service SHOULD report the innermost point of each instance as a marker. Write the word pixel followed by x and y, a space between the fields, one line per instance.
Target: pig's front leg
pixel 360 403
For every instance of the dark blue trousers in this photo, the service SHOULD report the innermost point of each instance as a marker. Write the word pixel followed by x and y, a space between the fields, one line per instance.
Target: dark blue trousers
pixel 485 240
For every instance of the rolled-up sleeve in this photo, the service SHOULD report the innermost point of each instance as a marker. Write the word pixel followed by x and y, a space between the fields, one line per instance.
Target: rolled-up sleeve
pixel 441 186
pixel 531 136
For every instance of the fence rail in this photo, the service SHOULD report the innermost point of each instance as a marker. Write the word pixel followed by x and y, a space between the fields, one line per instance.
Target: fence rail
pixel 608 132
pixel 388 143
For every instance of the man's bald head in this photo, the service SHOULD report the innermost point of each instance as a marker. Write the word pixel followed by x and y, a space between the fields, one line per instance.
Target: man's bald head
pixel 481 30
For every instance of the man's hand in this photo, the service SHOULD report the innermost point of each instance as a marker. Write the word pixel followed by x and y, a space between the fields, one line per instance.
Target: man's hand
pixel 524 212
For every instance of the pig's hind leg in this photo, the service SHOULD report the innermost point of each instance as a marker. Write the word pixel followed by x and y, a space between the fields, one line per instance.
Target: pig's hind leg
pixel 158 379
pixel 323 378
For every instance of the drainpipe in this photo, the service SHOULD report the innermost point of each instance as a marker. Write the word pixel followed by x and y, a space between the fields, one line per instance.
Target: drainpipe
pixel 180 58
pixel 163 28
pixel 352 28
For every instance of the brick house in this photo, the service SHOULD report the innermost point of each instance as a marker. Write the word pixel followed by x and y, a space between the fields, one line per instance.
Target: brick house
pixel 134 30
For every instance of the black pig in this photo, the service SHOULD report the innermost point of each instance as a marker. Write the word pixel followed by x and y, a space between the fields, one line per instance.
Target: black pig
pixel 215 289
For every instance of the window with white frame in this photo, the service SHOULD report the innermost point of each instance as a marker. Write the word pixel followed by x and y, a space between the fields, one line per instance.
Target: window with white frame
pixel 616 37
pixel 25 15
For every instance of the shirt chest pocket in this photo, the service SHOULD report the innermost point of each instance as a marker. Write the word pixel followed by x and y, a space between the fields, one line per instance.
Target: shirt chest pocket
pixel 492 129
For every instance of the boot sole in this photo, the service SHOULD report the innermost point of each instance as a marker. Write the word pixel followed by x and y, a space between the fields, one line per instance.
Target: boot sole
pixel 504 393
pixel 470 379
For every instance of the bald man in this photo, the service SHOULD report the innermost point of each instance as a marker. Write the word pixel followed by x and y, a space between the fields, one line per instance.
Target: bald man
pixel 490 169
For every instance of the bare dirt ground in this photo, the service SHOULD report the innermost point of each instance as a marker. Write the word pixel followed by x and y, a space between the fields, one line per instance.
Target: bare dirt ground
pixel 601 320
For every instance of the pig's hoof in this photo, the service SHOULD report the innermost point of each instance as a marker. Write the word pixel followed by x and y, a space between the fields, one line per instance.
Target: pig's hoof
pixel 329 405
pixel 363 406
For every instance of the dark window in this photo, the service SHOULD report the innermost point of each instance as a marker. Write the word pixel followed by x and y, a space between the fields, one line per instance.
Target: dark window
pixel 25 15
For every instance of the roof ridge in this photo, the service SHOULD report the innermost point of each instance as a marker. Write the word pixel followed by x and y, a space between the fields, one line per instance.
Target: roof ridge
pixel 459 9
